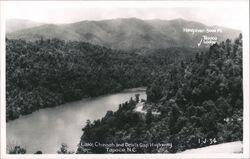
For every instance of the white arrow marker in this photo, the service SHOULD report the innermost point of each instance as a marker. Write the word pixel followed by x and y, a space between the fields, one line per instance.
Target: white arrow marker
pixel 199 43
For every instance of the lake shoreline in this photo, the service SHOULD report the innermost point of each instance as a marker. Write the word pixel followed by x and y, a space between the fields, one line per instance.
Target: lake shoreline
pixel 84 98
pixel 63 123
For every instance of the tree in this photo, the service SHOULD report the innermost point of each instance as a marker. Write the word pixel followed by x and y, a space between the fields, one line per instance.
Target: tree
pixel 17 150
pixel 137 98
pixel 149 117
pixel 38 152
pixel 154 92
pixel 64 149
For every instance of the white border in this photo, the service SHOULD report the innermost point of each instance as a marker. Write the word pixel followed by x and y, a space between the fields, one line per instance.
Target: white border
pixel 2 82
pixel 137 4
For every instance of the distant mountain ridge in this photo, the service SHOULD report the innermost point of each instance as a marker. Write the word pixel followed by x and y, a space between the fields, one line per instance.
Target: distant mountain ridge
pixel 13 25
pixel 125 33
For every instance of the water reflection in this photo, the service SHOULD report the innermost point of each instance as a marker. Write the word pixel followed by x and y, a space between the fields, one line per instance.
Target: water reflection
pixel 47 128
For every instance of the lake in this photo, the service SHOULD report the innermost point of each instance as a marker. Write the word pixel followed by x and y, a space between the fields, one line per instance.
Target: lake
pixel 47 128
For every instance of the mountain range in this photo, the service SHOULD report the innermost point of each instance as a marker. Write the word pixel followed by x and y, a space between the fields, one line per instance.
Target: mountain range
pixel 121 33
pixel 13 25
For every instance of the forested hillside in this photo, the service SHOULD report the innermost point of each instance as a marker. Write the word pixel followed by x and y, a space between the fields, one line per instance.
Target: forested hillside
pixel 200 102
pixel 47 73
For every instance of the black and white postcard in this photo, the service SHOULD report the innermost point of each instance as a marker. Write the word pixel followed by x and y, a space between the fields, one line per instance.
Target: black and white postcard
pixel 124 79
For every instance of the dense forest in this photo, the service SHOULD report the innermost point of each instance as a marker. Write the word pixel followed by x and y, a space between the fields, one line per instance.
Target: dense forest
pixel 199 103
pixel 47 73
pixel 197 94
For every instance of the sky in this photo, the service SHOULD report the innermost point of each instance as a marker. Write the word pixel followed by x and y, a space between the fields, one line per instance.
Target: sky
pixel 229 15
